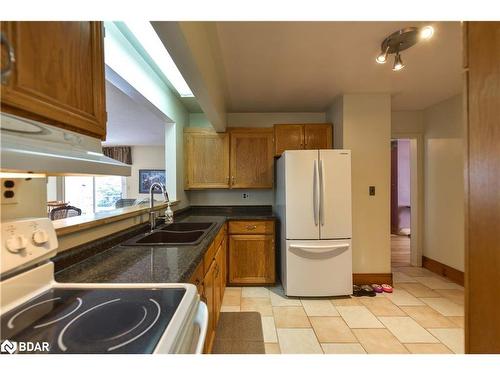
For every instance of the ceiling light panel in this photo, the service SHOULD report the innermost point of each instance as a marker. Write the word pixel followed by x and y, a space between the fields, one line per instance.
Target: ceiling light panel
pixel 150 41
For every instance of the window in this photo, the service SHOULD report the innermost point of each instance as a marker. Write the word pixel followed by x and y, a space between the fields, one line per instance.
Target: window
pixel 93 194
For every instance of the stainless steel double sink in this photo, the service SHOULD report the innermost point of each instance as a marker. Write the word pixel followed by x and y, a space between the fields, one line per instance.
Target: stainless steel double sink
pixel 175 234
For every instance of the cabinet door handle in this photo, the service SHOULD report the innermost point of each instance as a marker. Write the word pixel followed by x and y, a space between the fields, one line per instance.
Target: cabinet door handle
pixel 227 179
pixel 232 180
pixel 251 227
pixel 11 59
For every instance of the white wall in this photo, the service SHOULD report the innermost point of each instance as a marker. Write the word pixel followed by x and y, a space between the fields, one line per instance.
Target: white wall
pixel 444 186
pixel 366 131
pixel 143 157
pixel 255 120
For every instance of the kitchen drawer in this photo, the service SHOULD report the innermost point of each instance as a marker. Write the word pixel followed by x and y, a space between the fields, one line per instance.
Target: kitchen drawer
pixel 209 257
pixel 251 227
pixel 220 236
pixel 197 277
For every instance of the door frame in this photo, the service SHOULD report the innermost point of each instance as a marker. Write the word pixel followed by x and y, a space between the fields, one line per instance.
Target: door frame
pixel 416 200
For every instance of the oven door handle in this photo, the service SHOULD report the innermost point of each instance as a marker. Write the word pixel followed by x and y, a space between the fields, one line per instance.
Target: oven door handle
pixel 201 320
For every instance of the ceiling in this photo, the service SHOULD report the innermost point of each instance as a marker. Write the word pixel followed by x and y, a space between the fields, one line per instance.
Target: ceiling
pixel 303 66
pixel 130 123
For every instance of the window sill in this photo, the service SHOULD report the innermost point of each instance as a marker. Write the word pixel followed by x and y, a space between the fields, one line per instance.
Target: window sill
pixel 78 223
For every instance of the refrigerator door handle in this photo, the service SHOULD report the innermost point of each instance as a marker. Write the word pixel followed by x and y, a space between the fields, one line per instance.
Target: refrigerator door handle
pixel 319 249
pixel 316 193
pixel 321 193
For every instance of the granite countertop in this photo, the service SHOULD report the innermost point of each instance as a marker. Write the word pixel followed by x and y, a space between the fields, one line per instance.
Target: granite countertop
pixel 107 261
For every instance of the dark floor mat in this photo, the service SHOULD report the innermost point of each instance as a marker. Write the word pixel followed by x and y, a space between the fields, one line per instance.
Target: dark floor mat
pixel 239 333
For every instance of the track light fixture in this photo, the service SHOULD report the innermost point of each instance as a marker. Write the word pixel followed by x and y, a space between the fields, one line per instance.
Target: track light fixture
pixel 400 41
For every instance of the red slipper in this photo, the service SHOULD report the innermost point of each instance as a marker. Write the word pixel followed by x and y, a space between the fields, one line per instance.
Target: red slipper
pixel 387 288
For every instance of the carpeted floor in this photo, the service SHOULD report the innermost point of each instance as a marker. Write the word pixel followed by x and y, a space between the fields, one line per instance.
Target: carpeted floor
pixel 239 333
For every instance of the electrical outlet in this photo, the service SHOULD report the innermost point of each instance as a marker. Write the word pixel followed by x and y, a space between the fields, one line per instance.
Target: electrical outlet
pixel 9 190
pixel 245 195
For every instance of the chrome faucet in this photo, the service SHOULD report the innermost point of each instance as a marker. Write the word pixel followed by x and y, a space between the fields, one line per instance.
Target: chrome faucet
pixel 169 215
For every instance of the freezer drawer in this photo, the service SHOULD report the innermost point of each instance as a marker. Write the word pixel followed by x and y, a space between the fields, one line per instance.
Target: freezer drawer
pixel 318 268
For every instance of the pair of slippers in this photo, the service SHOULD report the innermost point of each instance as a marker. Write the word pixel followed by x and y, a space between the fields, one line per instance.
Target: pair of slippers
pixel 370 291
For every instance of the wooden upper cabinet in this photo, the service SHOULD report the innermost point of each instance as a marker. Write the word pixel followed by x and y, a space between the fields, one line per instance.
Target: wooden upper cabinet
pixel 302 137
pixel 288 137
pixel 58 74
pixel 317 136
pixel 206 159
pixel 251 160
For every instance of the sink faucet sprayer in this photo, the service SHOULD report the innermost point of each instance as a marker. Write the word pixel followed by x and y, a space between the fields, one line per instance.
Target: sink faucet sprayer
pixel 169 215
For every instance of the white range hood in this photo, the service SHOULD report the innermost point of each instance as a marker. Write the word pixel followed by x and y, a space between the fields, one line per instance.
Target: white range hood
pixel 31 146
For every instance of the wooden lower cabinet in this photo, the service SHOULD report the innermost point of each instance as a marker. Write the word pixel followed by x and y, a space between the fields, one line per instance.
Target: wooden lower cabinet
pixel 209 292
pixel 210 280
pixel 252 252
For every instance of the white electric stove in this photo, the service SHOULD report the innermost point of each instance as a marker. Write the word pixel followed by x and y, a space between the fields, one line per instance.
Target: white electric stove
pixel 40 315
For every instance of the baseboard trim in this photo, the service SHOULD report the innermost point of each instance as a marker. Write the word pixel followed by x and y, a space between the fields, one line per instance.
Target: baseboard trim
pixel 372 278
pixel 443 270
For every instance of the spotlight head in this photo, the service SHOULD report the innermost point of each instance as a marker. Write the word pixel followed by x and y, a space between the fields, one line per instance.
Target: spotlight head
pixel 426 32
pixel 398 63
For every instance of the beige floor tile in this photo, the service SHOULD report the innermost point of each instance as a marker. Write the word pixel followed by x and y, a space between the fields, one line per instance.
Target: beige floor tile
pixel 261 305
pixel 343 349
pixel 319 307
pixel 418 290
pixel 272 348
pixel 379 341
pixel 254 292
pixel 269 329
pixel 400 277
pixel 444 306
pixel 414 271
pixel 455 295
pixel 428 349
pixel 382 307
pixel 290 317
pixel 346 301
pixel 331 329
pixel 224 308
pixel 427 317
pixel 435 282
pixel 359 317
pixel 298 341
pixel 403 298
pixel 278 297
pixel 407 330
pixel 453 338
pixel 458 320
pixel 232 297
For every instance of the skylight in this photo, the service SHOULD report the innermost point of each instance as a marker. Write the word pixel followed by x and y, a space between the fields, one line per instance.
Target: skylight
pixel 150 41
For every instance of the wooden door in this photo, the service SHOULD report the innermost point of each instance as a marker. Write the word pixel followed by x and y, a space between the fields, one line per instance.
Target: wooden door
pixel 251 259
pixel 288 137
pixel 318 136
pixel 207 160
pixel 58 74
pixel 208 290
pixel 482 260
pixel 252 158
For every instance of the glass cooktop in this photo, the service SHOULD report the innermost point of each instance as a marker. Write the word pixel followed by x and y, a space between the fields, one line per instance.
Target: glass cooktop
pixel 94 320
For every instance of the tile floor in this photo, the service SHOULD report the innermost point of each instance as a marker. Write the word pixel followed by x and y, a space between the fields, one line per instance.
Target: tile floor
pixel 424 315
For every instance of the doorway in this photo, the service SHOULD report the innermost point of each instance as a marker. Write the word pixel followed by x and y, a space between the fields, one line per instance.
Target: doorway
pixel 406 202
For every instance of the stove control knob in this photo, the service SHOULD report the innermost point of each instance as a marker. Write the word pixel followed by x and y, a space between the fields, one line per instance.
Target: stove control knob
pixel 16 243
pixel 40 237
